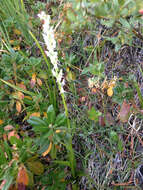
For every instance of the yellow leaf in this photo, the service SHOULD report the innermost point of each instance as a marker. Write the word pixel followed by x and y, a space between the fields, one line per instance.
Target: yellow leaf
pixel 48 150
pixel 18 106
pixel 28 97
pixel 110 91
pixel 11 41
pixel 17 32
pixel 45 114
pixel 58 131
pixel 34 76
pixel 1 121
pixel 16 48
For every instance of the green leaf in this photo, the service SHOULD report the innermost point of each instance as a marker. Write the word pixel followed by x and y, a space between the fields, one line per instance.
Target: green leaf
pixel 65 163
pixel 36 121
pixel 93 114
pixel 60 119
pixel 15 140
pixel 18 88
pixel 114 136
pixel 2 157
pixel 36 167
pixel 38 124
pixel 51 115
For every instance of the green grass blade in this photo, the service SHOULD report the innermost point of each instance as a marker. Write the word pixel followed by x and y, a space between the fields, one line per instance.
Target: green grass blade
pixel 18 88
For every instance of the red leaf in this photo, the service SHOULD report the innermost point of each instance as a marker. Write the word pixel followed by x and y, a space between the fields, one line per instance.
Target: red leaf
pixel 101 121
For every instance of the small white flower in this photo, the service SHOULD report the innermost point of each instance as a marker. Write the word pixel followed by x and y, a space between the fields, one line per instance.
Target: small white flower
pixel 48 36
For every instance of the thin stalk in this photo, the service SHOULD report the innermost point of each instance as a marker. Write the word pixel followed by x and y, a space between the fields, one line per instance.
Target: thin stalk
pixel 139 93
pixel 70 148
pixel 45 58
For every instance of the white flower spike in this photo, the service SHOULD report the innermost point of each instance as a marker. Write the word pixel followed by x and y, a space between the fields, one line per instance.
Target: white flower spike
pixel 48 36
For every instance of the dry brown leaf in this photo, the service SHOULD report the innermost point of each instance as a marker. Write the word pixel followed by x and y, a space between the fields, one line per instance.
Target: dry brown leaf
pixel 101 121
pixel 124 112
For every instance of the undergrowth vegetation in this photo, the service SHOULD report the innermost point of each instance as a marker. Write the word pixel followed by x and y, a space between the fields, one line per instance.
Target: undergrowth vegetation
pixel 71 94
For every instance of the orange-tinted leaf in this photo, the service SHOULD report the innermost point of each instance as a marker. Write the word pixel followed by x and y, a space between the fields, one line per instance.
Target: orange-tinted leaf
pixel 35 114
pixel 8 127
pixel 48 150
pixel 20 95
pixel 39 82
pixel 18 106
pixel 94 90
pixel 16 48
pixel 22 177
pixel 124 112
pixel 1 121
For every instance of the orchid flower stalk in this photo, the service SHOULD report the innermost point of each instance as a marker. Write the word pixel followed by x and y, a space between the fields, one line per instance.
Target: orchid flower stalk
pixel 48 36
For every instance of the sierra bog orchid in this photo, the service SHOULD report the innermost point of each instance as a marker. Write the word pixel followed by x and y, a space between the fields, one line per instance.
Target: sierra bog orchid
pixel 48 35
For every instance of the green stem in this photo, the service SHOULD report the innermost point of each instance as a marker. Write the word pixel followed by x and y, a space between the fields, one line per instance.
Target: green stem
pixel 46 60
pixel 70 148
